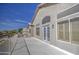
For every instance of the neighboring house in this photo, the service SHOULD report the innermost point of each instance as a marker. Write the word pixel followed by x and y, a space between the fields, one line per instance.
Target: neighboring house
pixel 25 32
pixel 30 30
pixel 58 24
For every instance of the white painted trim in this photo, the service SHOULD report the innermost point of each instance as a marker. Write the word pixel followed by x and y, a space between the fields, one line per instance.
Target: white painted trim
pixel 64 51
pixel 64 41
pixel 5 52
pixel 70 39
pixel 56 31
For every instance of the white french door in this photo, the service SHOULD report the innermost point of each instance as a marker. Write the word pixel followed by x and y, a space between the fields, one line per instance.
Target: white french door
pixel 47 33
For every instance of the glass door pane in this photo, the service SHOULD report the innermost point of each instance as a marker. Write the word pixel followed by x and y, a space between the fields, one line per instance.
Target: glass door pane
pixel 44 33
pixel 48 33
pixel 63 30
pixel 75 31
pixel 66 31
pixel 60 32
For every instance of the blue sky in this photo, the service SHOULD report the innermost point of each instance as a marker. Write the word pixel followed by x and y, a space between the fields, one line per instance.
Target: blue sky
pixel 16 15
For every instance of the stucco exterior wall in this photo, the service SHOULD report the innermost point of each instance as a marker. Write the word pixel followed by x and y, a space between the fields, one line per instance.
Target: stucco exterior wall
pixel 53 11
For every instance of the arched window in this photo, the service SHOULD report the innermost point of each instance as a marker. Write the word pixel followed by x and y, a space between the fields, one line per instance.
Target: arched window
pixel 46 19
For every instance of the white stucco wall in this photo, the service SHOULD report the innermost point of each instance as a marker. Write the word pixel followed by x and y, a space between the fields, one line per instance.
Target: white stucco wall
pixel 52 11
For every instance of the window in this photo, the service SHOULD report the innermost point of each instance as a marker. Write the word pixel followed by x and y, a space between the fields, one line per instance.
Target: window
pixel 46 19
pixel 66 24
pixel 38 31
pixel 75 30
pixel 63 31
pixel 60 31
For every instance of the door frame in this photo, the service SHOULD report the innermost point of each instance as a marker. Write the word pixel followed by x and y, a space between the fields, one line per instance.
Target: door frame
pixel 45 32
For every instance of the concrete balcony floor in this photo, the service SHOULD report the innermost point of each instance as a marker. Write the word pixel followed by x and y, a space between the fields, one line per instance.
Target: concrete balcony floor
pixel 33 46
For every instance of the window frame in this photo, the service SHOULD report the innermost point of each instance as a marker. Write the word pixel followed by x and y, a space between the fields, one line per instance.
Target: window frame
pixel 46 19
pixel 60 22
pixel 70 32
pixel 73 20
pixel 38 31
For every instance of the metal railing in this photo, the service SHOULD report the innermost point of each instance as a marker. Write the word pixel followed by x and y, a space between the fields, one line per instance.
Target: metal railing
pixel 7 44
